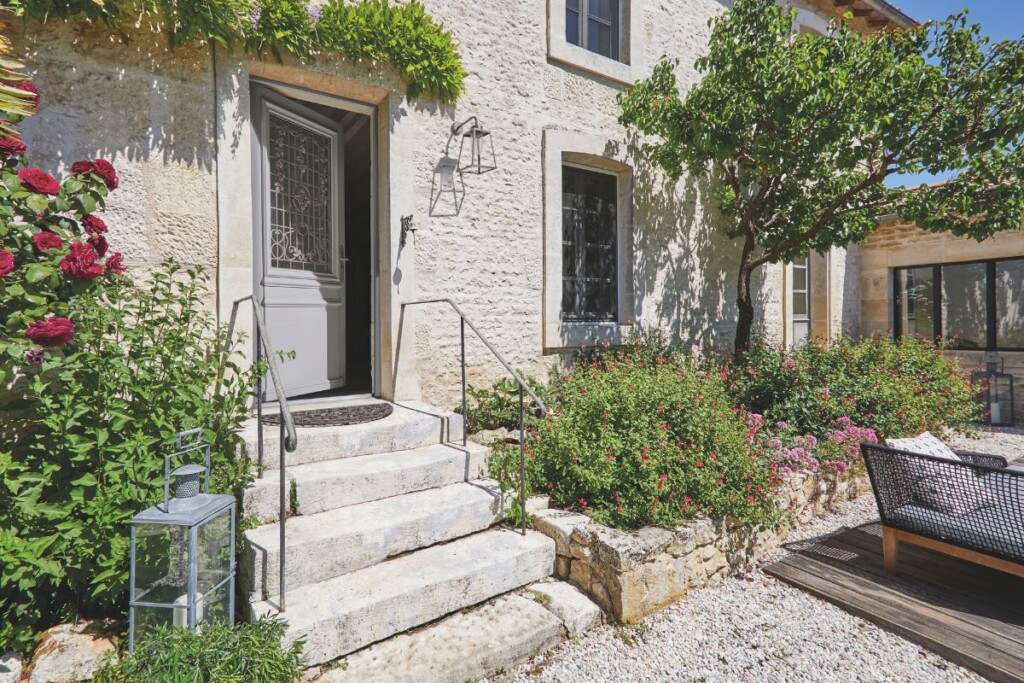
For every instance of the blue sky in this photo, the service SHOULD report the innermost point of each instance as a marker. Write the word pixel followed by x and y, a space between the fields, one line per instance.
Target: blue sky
pixel 999 19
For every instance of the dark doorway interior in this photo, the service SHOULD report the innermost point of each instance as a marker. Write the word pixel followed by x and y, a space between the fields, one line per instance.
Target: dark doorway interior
pixel 358 225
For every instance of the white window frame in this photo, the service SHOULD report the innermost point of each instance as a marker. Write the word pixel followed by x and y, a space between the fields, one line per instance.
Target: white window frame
pixel 592 153
pixel 625 69
pixel 803 318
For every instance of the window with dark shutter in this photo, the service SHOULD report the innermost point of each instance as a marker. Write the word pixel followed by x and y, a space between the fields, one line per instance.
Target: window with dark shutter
pixel 589 246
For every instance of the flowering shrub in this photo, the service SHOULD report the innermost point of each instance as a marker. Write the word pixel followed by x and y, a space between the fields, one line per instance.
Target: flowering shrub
pixel 837 451
pixel 53 248
pixel 896 388
pixel 634 443
pixel 86 451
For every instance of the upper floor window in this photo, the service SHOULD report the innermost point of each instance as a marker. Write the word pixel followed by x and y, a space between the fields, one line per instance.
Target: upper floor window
pixel 594 25
pixel 980 305
pixel 589 245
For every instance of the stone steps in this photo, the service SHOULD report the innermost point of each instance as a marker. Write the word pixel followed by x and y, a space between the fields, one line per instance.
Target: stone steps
pixel 349 612
pixel 463 647
pixel 329 544
pixel 411 425
pixel 333 484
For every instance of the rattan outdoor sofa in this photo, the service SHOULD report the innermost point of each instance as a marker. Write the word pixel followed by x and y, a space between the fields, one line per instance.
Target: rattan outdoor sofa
pixel 971 508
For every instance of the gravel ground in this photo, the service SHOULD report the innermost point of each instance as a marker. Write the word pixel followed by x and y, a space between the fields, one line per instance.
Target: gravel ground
pixel 756 629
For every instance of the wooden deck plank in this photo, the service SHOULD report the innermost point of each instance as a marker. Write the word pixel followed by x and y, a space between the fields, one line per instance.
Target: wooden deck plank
pixel 922 626
pixel 958 610
pixel 960 582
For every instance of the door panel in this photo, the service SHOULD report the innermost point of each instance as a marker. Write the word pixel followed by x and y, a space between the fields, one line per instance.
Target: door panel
pixel 302 239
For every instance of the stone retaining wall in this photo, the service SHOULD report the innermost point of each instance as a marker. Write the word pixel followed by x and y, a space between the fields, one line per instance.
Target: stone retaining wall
pixel 634 574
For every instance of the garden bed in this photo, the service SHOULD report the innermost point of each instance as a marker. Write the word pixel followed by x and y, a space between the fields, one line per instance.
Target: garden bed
pixel 632 574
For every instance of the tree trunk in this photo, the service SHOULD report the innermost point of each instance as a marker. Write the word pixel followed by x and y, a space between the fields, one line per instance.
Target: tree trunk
pixel 744 298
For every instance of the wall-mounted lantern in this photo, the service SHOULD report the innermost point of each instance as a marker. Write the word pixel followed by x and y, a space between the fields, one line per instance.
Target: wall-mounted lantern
pixel 480 157
pixel 995 394
pixel 475 156
pixel 182 570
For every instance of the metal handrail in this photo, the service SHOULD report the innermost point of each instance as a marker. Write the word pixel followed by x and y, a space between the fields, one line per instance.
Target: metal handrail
pixel 288 438
pixel 540 411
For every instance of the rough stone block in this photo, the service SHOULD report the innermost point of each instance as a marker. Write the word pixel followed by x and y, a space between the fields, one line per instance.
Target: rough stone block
pixel 576 611
pixel 70 652
pixel 559 525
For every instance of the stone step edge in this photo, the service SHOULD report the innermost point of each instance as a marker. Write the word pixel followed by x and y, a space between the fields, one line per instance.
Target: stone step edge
pixel 480 641
pixel 255 541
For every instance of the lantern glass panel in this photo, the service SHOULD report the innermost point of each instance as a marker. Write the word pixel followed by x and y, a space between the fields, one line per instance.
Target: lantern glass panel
pixel 215 605
pixel 149 618
pixel 161 563
pixel 213 551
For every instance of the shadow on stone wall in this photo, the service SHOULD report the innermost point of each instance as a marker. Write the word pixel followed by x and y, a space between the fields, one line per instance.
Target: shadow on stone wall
pixel 685 267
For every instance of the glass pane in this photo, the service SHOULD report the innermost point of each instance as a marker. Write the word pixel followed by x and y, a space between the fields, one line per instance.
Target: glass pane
pixel 572 22
pixel 917 302
pixel 799 304
pixel 148 618
pixel 800 277
pixel 603 9
pixel 589 228
pixel 213 551
pixel 161 563
pixel 1010 304
pixel 301 184
pixel 963 304
pixel 599 38
pixel 801 332
pixel 215 605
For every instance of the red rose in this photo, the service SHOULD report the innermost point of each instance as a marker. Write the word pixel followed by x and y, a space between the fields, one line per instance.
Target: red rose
pixel 51 332
pixel 99 243
pixel 94 225
pixel 83 167
pixel 47 240
pixel 81 262
pixel 115 264
pixel 35 180
pixel 26 85
pixel 6 262
pixel 105 169
pixel 35 356
pixel 12 147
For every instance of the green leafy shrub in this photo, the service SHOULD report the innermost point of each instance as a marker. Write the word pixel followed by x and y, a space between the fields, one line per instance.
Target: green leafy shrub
pixel 145 364
pixel 403 36
pixel 897 388
pixel 633 443
pixel 219 653
pixel 498 406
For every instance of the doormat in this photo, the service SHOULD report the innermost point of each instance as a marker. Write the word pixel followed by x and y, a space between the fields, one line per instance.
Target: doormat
pixel 336 417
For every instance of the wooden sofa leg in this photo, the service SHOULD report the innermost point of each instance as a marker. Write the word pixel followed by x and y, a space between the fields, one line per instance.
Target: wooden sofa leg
pixel 890 550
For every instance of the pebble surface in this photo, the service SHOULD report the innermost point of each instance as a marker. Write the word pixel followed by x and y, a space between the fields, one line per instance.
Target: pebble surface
pixel 756 629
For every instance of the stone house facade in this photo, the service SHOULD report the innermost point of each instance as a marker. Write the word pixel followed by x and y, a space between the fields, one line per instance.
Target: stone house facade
pixel 570 240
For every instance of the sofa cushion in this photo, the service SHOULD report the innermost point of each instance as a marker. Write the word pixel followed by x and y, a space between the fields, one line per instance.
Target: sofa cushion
pixel 926 444
pixel 987 530
pixel 948 488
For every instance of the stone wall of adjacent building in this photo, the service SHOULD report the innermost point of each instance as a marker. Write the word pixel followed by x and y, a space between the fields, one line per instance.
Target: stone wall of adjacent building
pixel 898 244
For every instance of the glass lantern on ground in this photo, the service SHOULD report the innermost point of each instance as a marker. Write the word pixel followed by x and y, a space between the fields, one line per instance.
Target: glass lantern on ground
pixel 995 394
pixel 183 550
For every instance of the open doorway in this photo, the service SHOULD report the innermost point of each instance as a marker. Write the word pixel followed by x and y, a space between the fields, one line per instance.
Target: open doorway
pixel 314 194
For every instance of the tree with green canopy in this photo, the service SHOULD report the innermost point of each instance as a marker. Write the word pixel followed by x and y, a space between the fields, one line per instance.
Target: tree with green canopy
pixel 799 132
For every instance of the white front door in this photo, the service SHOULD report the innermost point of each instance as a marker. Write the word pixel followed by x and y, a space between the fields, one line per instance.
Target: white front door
pixel 303 250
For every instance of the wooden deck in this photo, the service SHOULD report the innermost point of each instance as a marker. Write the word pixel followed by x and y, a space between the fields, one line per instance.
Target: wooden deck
pixel 968 614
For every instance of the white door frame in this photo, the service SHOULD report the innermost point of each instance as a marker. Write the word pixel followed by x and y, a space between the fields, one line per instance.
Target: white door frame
pixel 306 95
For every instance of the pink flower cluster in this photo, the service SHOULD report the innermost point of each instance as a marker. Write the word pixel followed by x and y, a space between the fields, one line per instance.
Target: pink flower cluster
pixel 837 452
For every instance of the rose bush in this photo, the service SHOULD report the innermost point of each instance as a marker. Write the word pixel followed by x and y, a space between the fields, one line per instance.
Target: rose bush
pixel 52 249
